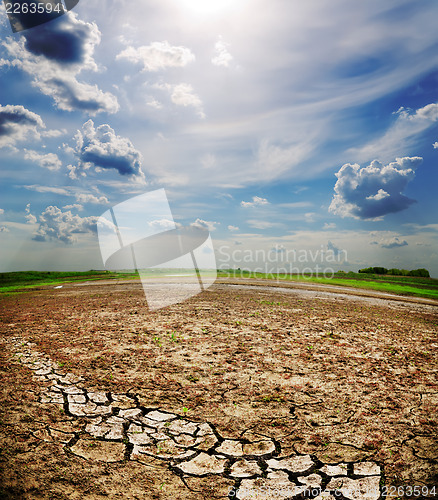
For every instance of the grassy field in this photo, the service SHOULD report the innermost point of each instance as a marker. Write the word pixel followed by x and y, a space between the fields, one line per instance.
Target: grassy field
pixel 16 281
pixel 401 285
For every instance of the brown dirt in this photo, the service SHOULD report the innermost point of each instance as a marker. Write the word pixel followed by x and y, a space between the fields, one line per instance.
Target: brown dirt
pixel 339 379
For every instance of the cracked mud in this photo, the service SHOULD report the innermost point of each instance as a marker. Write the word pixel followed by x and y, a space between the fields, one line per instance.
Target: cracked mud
pixel 246 415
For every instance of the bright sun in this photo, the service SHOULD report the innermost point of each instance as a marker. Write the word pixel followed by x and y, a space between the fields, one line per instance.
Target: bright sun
pixel 209 7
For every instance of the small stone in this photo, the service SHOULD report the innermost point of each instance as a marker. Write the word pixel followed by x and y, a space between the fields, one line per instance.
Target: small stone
pixel 203 464
pixel 245 468
pixel 366 469
pixel 366 488
pixel 297 464
pixel 229 447
pixel 263 447
pixel 335 470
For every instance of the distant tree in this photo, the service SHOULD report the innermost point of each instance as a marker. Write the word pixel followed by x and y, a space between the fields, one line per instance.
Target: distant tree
pixel 422 273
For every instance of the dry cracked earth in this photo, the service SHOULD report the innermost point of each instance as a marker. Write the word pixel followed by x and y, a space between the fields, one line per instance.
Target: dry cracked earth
pixel 240 392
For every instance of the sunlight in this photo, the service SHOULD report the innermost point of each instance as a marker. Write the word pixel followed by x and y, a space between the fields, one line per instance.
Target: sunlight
pixel 210 7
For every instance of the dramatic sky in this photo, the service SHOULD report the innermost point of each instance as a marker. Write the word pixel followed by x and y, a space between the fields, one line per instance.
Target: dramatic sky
pixel 279 125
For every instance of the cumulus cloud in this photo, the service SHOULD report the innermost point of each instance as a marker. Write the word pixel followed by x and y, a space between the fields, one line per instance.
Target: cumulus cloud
pixel 54 224
pixel 90 198
pixel 205 224
pixel 30 218
pixel 54 54
pixel 18 123
pixel 162 224
pixel 256 202
pixel 2 211
pixel 158 56
pixel 222 57
pixel 233 228
pixel 49 160
pixel 101 148
pixel 329 225
pixel 393 242
pixel 375 190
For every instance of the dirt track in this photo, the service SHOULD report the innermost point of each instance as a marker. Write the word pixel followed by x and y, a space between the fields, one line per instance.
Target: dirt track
pixel 341 379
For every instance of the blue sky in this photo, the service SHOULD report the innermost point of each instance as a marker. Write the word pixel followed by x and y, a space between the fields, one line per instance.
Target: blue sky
pixel 278 125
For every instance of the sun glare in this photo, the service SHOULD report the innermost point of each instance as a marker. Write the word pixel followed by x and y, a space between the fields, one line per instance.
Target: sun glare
pixel 209 7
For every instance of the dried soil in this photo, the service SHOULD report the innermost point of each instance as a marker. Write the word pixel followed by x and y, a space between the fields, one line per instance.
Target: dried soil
pixel 340 379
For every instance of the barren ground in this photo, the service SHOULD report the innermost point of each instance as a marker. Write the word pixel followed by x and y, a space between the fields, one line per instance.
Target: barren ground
pixel 341 380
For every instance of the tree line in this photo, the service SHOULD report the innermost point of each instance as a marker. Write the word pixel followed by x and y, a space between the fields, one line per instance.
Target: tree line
pixel 421 273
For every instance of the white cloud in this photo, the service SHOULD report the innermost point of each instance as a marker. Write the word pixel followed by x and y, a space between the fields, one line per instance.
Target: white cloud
pixel 222 57
pixel 205 224
pixel 55 66
pixel 54 224
pixel 47 189
pixel 90 198
pixel 375 190
pixel 182 94
pixel 162 224
pixel 393 242
pixel 17 124
pixel 101 148
pixel 329 225
pixel 30 218
pixel 153 103
pixel 400 134
pixel 256 202
pixel 274 160
pixel 2 211
pixel 233 228
pixel 259 224
pixel 435 145
pixel 49 160
pixel 74 206
pixel 158 56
